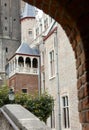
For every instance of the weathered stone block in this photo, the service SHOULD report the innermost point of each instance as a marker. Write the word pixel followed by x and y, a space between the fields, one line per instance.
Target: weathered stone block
pixel 19 118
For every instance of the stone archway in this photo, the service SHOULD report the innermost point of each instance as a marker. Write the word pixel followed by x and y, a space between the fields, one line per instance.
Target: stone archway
pixel 73 15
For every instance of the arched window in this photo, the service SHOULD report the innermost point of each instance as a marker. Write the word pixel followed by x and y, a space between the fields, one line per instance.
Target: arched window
pixel 21 61
pixel 35 63
pixel 28 62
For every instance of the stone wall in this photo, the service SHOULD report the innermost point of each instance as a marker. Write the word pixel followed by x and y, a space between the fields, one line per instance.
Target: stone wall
pixel 15 117
pixel 4 124
pixel 67 76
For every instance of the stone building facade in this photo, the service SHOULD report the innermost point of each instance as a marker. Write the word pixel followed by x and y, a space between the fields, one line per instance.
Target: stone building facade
pixel 42 37
pixel 73 16
pixel 58 70
pixel 10 40
pixel 10 31
pixel 24 64
pixel 59 74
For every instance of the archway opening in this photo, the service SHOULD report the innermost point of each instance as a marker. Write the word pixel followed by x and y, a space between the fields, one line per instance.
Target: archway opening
pixel 73 16
pixel 71 30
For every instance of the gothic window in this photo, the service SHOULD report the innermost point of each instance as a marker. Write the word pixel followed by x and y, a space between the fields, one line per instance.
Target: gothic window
pixel 66 120
pixel 35 63
pixel 52 65
pixel 28 62
pixel 21 61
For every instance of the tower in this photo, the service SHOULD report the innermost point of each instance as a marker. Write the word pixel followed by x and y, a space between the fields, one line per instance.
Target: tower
pixel 10 31
pixel 24 70
pixel 28 21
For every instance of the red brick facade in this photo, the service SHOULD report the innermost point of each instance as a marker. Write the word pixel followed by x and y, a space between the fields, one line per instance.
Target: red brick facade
pixel 24 81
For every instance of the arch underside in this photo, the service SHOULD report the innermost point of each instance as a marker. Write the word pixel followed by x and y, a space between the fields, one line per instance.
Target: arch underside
pixel 73 15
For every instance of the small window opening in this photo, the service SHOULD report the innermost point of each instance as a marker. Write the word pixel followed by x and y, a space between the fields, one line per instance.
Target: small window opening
pixel 5 4
pixel 6 50
pixel 24 90
pixel 6 18
pixel 14 19
pixel 6 28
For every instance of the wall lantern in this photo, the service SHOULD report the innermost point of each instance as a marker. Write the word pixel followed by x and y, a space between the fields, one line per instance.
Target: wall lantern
pixel 11 95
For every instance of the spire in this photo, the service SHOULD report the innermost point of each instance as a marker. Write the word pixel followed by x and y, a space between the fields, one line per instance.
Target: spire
pixel 29 11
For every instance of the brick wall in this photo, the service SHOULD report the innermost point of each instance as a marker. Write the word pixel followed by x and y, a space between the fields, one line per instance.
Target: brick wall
pixel 21 81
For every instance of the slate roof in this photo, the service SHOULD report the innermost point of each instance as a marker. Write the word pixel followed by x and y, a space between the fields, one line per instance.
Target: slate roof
pixel 25 49
pixel 29 11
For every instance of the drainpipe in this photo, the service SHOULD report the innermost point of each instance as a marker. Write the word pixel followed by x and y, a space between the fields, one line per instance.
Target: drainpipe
pixel 57 83
pixel 39 77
